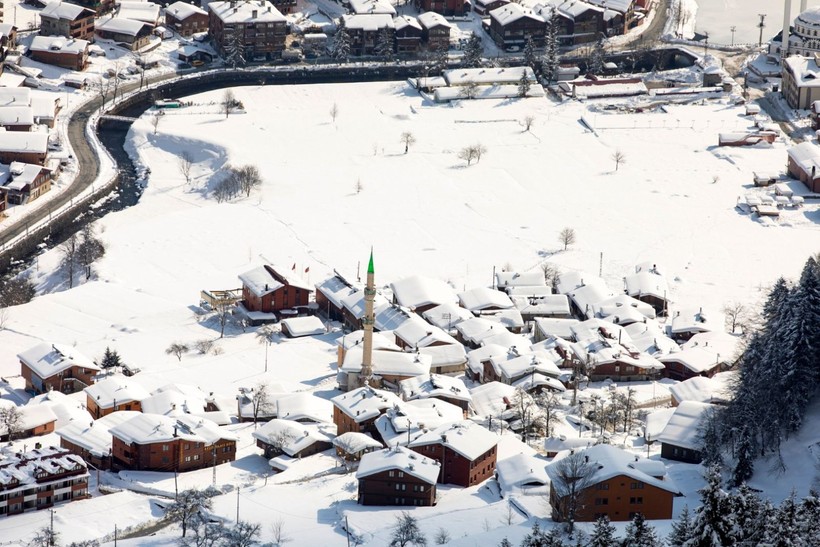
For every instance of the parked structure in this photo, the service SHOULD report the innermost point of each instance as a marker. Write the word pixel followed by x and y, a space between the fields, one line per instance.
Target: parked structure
pixel 397 476
pixel 68 20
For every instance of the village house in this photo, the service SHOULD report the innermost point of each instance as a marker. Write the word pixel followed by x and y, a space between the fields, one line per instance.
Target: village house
pixel 578 22
pixel 293 439
pixel 41 478
pixel 648 285
pixel 17 118
pixel 182 399
pixel 522 472
pixel 403 423
pixel 804 164
pixel 435 31
pixel 801 81
pixel 715 390
pixel 389 367
pixel 351 446
pixel 136 10
pixel 257 407
pixel 422 293
pixel 492 400
pixel 133 35
pixel 358 409
pixel 465 451
pixel 297 327
pixel 8 37
pixel 186 19
pixel 397 476
pixel 484 7
pixel 261 27
pixel 511 25
pixel 35 420
pixel 554 445
pixel 60 51
pixel 680 438
pixel 686 323
pixel 91 440
pixel 437 386
pixel 691 362
pixel 329 295
pixel 267 290
pixel 621 485
pixel 68 20
pixel 484 299
pixel 22 183
pixel 99 6
pixel 623 310
pixel 530 371
pixel 113 394
pixel 372 7
pixel 23 147
pixel 416 333
pixel 448 359
pixel 446 316
pixel 408 34
pixel 56 366
pixel 608 353
pixel 364 30
pixel 304 407
pixel 150 442
pixel 444 7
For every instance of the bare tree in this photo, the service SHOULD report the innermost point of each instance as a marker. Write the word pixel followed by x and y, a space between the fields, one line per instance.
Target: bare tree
pixel 116 77
pixel 261 402
pixel 359 186
pixel 334 112
pixel 177 349
pixel 567 237
pixel 188 508
pixel 248 178
pixel 243 534
pixel 468 91
pixel 572 476
pixel 527 122
pixel 480 150
pixel 17 290
pixel 735 314
pixel 155 119
pixel 442 537
pixel 203 346
pixel 11 420
pixel 102 87
pixel 551 274
pixel 4 317
pixel 69 256
pixel 618 157
pixel 527 412
pixel 278 531
pixel 45 537
pixel 228 102
pixel 407 139
pixel 406 532
pixel 549 403
pixel 185 163
pixel 467 154
pixel 90 249
pixel 509 515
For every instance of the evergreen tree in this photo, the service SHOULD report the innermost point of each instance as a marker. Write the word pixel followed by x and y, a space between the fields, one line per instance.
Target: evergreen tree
pixel 748 510
pixel 234 49
pixel 530 57
pixel 110 359
pixel 744 467
pixel 788 532
pixel 505 543
pixel 534 537
pixel 708 438
pixel 384 45
pixel 549 62
pixel 713 522
pixel 473 52
pixel 442 59
pixel 641 534
pixel 681 529
pixel 597 59
pixel 341 44
pixel 777 295
pixel 603 534
pixel 553 539
pixel 524 85
pixel 808 518
pixel 768 523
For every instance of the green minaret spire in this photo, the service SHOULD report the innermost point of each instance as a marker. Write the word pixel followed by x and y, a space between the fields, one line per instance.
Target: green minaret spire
pixel 370 268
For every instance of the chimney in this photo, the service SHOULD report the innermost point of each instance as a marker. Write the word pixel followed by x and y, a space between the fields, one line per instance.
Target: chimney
pixel 255 14
pixel 175 431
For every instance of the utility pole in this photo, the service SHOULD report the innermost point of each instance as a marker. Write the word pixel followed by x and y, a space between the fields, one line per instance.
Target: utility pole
pixel 237 504
pixel 213 453
pixel 347 529
pixel 760 25
pixel 601 264
pixel 732 29
pixel 51 528
pixel 115 535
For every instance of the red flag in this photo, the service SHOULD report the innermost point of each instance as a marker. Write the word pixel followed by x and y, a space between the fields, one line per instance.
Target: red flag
pixel 294 266
pixel 307 269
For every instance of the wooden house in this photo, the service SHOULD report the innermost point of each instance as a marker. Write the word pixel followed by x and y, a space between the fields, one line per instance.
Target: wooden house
pixel 407 35
pixel 129 33
pixel 422 293
pixel 22 182
pixel 55 366
pixel 484 7
pixel 153 442
pixel 91 440
pixel 329 295
pixel 269 290
pixel 186 19
pixel 621 485
pixel 114 394
pixel 67 20
pixel 364 31
pixel 351 446
pixel 435 31
pixel 23 147
pixel 648 285
pixel 679 439
pixel 358 409
pixel 59 51
pixel 512 25
pixel 397 476
pixel 35 420
pixel 261 25
pixel 437 386
pixel 445 7
pixel 465 451
pixel 803 163
pixel 291 438
pixel 40 479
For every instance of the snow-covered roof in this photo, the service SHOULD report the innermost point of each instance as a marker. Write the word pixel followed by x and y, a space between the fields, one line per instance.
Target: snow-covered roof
pixel 183 10
pixel 17 175
pixel 58 43
pixel 511 280
pixel 718 341
pixel 572 8
pixel 259 281
pixel 404 21
pixel 46 360
pixel 806 154
pixel 365 402
pixel 561 328
pixel 592 292
pixel 31 416
pixel 153 428
pixel 621 6
pixel 509 318
pixel 65 407
pixel 623 310
pixel 510 13
pixel 304 407
pixel 418 333
pixel 446 315
pixel 20 472
pixel 335 288
pixel 416 291
pixel 292 437
pixel 381 340
pixel 536 380
pixel 492 398
pixel 650 338
pixel 540 304
pixel 806 72
pixel 65 10
pixel 15 96
pixel 388 316
pixel 476 357
pixel 368 22
pixel 353 442
pixel 521 470
pixel 811 16
pixel 609 461
pixel 401 459
pixel 378 7
pixel 483 298
pixel 95 435
pixel 475 329
pixel 175 400
pixel 430 19
pixel 116 389
pixel 704 390
pixel 391 363
pixel 434 385
pixel 446 355
pixel 645 283
pixel 255 11
pixel 656 422
pixel 515 363
pixel 503 75
pixel 562 442
pixel 682 428
pixel 406 422
pixel 697 359
pixel 466 438
pixel 147 12
pixel 121 25
pixel 304 326
pixel 696 320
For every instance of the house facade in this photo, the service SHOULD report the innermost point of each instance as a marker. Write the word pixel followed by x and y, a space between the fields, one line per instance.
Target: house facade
pixel 445 7
pixel 358 409
pixel 59 51
pixel 21 182
pixel 804 164
pixel 268 290
pixel 512 25
pixel 257 26
pixel 397 476
pixel 68 20
pixel 408 34
pixel 364 30
pixel 133 34
pixel 186 19
pixel 465 451
pixel 435 31
pixel 40 479
pixel 47 367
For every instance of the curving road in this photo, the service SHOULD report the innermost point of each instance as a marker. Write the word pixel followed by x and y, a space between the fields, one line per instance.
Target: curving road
pixel 653 32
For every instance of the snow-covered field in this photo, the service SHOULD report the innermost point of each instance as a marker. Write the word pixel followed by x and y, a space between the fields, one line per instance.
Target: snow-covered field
pixel 718 16
pixel 424 212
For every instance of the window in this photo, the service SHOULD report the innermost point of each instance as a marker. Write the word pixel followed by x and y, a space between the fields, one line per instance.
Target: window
pixel 601 501
pixel 636 500
pixel 187 446
pixel 391 473
pixel 187 458
pixel 196 457
pixel 636 485
pixel 165 448
pixel 401 474
pixel 401 486
pixel 602 486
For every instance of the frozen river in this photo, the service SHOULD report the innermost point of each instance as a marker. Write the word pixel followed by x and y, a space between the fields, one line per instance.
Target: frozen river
pixel 718 16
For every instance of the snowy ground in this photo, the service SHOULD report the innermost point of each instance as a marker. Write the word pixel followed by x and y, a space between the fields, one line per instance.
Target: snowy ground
pixel 425 213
